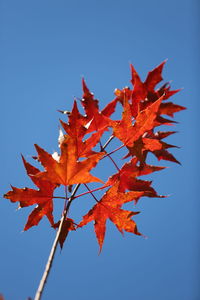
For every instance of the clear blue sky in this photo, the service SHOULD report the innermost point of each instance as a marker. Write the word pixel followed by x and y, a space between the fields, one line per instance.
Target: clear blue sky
pixel 46 47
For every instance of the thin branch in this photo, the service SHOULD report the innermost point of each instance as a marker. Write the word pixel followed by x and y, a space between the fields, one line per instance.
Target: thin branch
pixel 122 146
pixel 54 247
pixel 91 191
pixel 108 142
pixel 116 166
pixel 87 187
pixel 56 240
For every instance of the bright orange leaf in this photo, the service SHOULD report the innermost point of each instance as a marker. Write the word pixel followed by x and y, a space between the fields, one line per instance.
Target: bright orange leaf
pixel 127 178
pixel 127 132
pixel 41 197
pixel 67 170
pixel 110 208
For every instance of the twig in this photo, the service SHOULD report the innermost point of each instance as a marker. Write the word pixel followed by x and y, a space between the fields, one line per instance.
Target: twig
pixel 91 191
pixel 95 198
pixel 107 154
pixel 56 240
pixel 54 247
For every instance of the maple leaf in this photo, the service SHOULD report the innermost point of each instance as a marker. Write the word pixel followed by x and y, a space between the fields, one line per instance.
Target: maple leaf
pixel 109 207
pixel 67 170
pixel 145 121
pixel 170 108
pixel 144 93
pixel 165 90
pixel 164 154
pixel 41 197
pixel 154 77
pixel 99 120
pixel 152 143
pixel 76 124
pixel 139 92
pixel 76 130
pixel 67 226
pixel 127 178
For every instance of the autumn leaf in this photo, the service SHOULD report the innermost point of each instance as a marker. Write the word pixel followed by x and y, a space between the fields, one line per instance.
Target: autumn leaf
pixel 109 207
pixel 127 178
pixel 165 90
pixel 67 170
pixel 154 77
pixel 145 121
pixel 41 197
pixel 85 147
pixel 67 226
pixel 76 130
pixel 152 142
pixel 99 120
pixel 143 146
pixel 138 93
pixel 170 109
pixel 76 123
pixel 144 93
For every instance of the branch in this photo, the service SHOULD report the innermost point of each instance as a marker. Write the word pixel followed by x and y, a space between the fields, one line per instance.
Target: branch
pixel 54 247
pixel 91 191
pixel 56 240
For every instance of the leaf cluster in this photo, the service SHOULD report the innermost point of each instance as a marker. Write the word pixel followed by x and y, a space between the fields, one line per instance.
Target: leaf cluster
pixel 144 108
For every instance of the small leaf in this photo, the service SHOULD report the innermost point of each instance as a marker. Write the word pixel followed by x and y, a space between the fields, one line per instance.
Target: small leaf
pixel 67 226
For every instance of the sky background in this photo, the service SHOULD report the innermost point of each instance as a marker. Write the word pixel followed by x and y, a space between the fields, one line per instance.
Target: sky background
pixel 46 48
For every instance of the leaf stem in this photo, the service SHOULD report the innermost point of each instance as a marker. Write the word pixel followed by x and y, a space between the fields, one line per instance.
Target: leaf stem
pixel 54 247
pixel 108 142
pixel 91 191
pixel 116 166
pixel 122 146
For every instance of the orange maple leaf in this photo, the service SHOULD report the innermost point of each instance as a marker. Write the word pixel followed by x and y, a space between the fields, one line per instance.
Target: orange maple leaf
pixel 76 123
pixel 144 94
pixel 127 178
pixel 169 108
pixel 41 197
pixel 99 119
pixel 152 142
pixel 67 170
pixel 127 132
pixel 109 207
pixel 77 129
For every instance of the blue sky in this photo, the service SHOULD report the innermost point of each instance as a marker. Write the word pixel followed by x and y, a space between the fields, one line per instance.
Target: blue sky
pixel 46 47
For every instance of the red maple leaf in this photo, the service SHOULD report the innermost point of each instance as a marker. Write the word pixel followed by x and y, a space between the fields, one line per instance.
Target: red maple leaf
pixel 127 178
pixel 76 124
pixel 77 129
pixel 169 108
pixel 144 94
pixel 67 226
pixel 109 207
pixel 67 170
pixel 41 197
pixel 99 119
pixel 128 132
pixel 152 143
